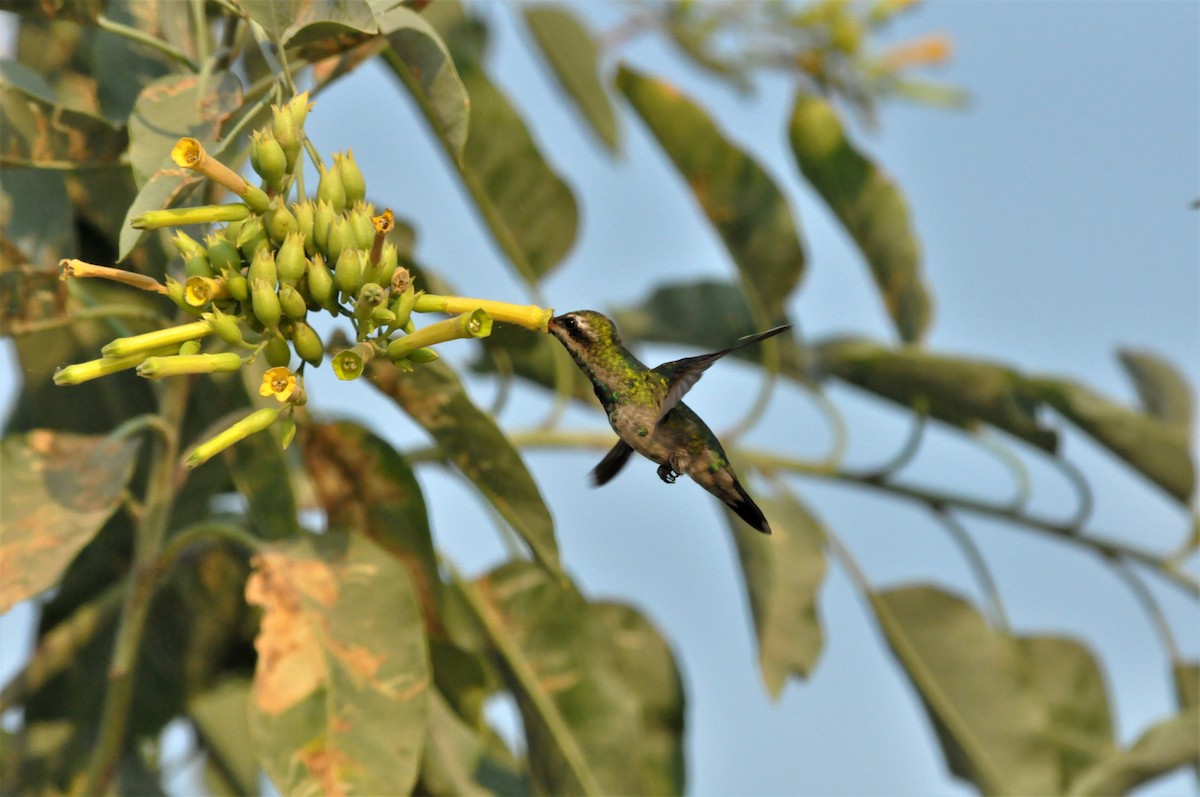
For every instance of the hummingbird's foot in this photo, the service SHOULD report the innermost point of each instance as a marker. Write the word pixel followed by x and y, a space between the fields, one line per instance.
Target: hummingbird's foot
pixel 667 474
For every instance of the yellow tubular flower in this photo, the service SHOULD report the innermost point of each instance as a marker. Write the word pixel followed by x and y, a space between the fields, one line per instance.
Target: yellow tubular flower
pixel 190 154
pixel 252 423
pixel 202 290
pixel 281 383
pixel 120 347
pixel 80 269
pixel 529 316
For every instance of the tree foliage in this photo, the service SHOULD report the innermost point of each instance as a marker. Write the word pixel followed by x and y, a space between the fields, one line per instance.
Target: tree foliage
pixel 350 655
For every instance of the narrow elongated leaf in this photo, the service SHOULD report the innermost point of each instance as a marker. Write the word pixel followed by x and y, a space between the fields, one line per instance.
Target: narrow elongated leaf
pixel 1164 393
pixel 340 698
pixel 737 195
pixel 260 474
pixel 453 753
pixel 783 574
pixel 1070 682
pixel 1166 746
pixel 581 698
pixel 59 490
pixel 1157 451
pixel 472 442
pixel 36 130
pixel 956 390
pixel 870 207
pixel 364 484
pixel 424 55
pixel 976 687
pixel 572 54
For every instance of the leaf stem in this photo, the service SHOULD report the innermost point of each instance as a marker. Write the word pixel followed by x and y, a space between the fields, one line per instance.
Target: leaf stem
pixel 978 565
pixel 143 38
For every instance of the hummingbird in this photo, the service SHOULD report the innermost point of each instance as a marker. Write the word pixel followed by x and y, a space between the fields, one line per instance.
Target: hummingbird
pixel 644 408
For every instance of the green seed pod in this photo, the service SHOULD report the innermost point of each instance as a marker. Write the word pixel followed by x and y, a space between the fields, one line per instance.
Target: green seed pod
pixel 266 303
pixel 422 356
pixel 347 274
pixel 330 188
pixel 277 352
pixel 268 159
pixel 371 295
pixel 222 254
pixel 362 226
pixel 305 213
pixel 381 316
pixel 320 282
pixel 298 107
pixel 353 181
pixel 287 134
pixel 227 327
pixel 290 263
pixel 189 347
pixel 187 246
pixel 198 266
pixel 388 260
pixel 279 221
pixel 251 238
pixel 239 286
pixel 262 267
pixel 293 304
pixel 322 219
pixel 307 343
pixel 256 199
pixel 341 237
pixel 403 304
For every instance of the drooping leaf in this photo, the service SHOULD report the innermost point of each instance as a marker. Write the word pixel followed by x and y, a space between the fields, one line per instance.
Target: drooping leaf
pixel 524 202
pixel 59 490
pixel 1164 393
pixel 260 474
pixel 957 390
pixel 364 484
pixel 869 205
pixel 472 442
pixel 36 130
pixel 976 687
pixel 783 574
pixel 737 195
pixel 340 697
pixel 1156 450
pixel 581 699
pixel 1069 680
pixel 424 55
pixel 453 754
pixel 696 37
pixel 574 57
pixel 221 716
pixel 1166 746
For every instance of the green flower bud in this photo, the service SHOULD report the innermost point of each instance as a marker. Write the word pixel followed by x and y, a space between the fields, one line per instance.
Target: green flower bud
pixel 330 188
pixel 265 303
pixel 349 364
pixel 254 422
pixel 183 364
pixel 347 274
pixel 189 347
pixel 381 316
pixel 251 237
pixel 287 134
pixel 262 267
pixel 186 245
pixel 422 356
pixel 402 305
pixel 305 213
pixel 256 199
pixel 198 266
pixel 179 217
pixel 322 219
pixel 388 261
pixel 278 352
pixel 371 295
pixel 227 327
pixel 307 343
pixel 341 238
pixel 290 263
pixel 353 181
pixel 362 227
pixel 222 254
pixel 320 282
pixel 293 304
pixel 239 286
pixel 268 159
pixel 279 221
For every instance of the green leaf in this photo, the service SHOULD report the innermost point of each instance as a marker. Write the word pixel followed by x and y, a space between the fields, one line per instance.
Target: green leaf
pixel 869 205
pixel 260 473
pixel 424 55
pixel 709 315
pixel 59 490
pixel 976 687
pixel 783 574
pixel 572 54
pixel 1166 746
pixel 1066 674
pixel 365 485
pixel 41 226
pixel 453 755
pixel 471 441
pixel 526 205
pixel 737 195
pixel 957 390
pixel 36 130
pixel 646 666
pixel 221 716
pixel 1156 450
pixel 583 688
pixel 1164 393
pixel 1187 683
pixel 341 689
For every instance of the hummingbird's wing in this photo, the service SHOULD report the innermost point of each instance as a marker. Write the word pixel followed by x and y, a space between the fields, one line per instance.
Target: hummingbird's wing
pixel 612 463
pixel 682 374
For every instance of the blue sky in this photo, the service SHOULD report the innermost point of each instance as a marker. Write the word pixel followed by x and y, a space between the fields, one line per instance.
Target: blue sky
pixel 1054 217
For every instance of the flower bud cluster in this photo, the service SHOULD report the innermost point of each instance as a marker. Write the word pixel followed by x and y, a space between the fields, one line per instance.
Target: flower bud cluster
pixel 253 284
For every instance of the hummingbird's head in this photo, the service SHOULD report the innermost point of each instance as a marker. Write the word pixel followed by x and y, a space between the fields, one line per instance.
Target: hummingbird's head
pixel 584 331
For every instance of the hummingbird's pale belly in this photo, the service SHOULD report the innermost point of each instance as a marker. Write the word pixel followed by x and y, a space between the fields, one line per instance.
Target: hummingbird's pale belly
pixel 678 440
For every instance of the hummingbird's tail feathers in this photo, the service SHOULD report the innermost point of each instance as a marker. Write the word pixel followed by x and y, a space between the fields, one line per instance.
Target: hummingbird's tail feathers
pixel 747 510
pixel 612 463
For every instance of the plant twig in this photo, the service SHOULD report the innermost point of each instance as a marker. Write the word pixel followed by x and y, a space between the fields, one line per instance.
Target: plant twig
pixel 978 565
pixel 143 38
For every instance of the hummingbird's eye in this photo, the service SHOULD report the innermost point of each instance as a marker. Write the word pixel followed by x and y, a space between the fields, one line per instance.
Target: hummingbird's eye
pixel 570 323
